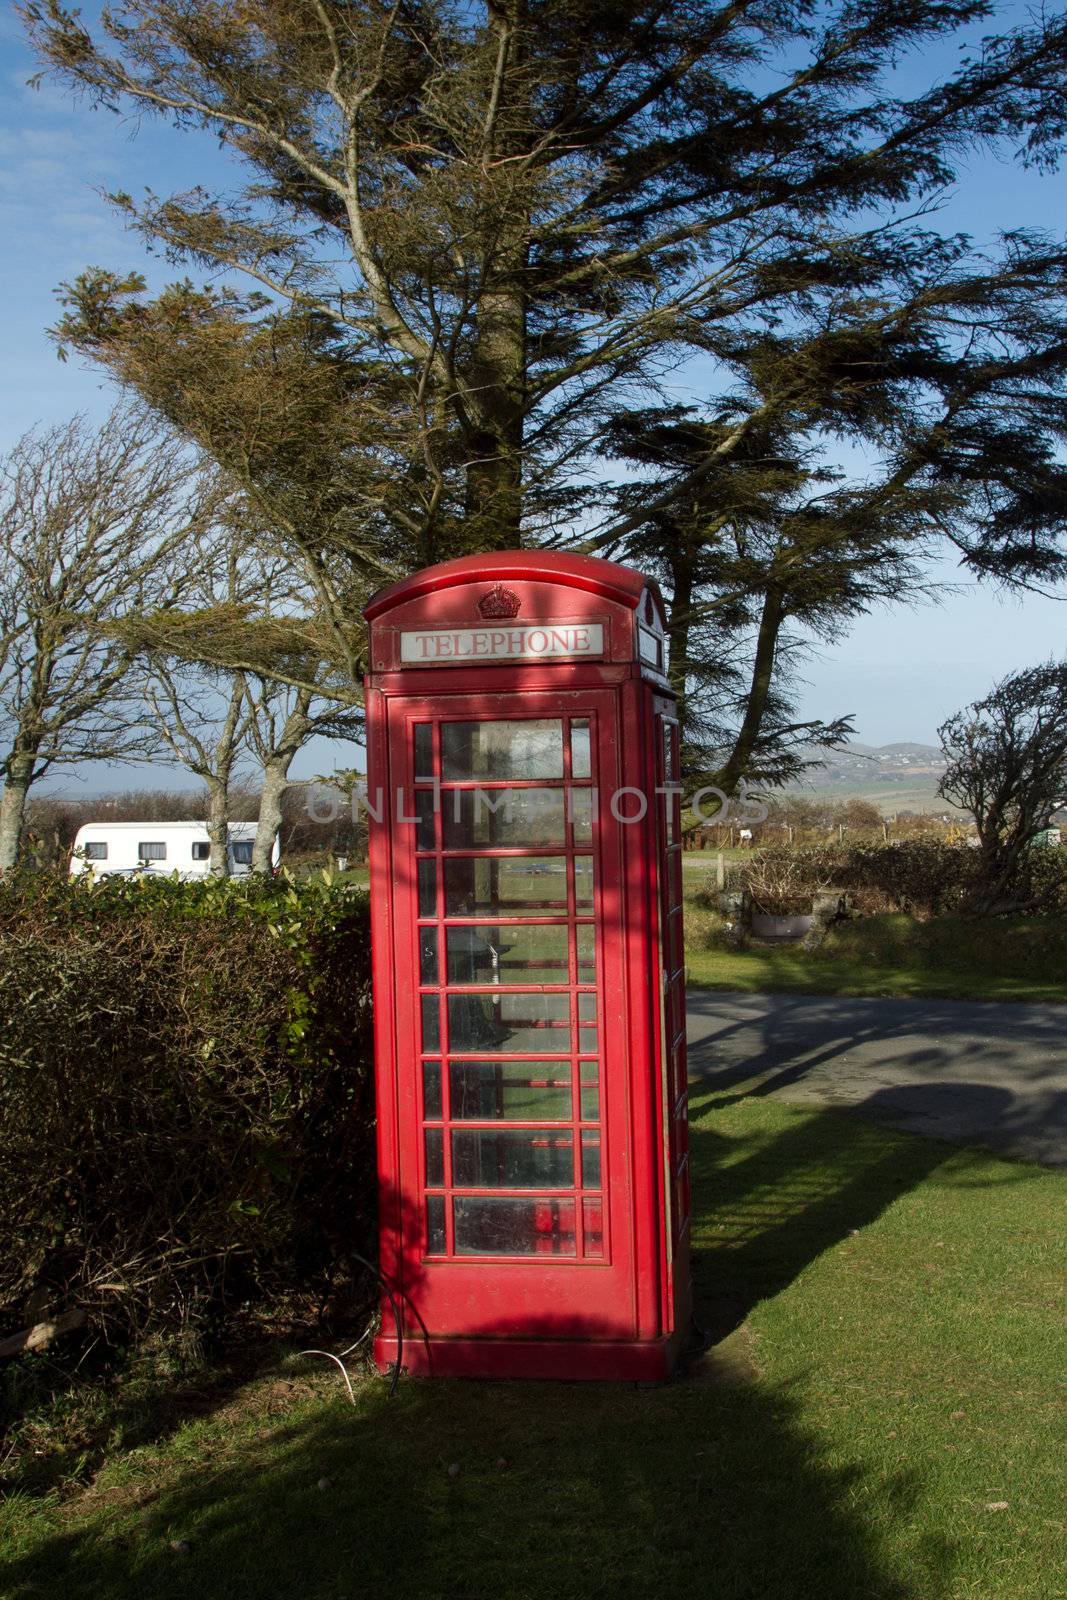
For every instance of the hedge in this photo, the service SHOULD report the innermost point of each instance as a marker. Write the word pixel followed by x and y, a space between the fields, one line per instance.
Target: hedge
pixel 185 1097
pixel 922 877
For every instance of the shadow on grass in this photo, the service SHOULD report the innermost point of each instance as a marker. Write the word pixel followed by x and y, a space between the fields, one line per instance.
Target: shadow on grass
pixel 769 1210
pixel 717 1491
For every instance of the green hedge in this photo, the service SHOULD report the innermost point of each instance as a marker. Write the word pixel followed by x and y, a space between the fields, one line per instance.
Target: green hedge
pixel 185 1096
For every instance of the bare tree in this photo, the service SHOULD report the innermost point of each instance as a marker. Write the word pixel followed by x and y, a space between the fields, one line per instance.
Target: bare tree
pixel 1007 758
pixel 281 722
pixel 203 715
pixel 91 526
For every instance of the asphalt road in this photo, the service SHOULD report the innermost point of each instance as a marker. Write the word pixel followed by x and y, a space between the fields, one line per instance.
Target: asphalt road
pixel 971 1071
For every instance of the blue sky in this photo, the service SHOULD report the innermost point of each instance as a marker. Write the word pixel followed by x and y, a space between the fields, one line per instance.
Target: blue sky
pixel 900 671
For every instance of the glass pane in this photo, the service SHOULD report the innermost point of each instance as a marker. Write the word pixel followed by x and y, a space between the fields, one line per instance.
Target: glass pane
pixel 525 1091
pixel 583 883
pixel 581 755
pixel 511 1023
pixel 587 1028
pixel 589 1073
pixel 500 750
pixel 431 1024
pixel 431 1089
pixel 585 935
pixel 435 1158
pixel 424 750
pixel 427 888
pixel 593 1227
pixel 435 1225
pixel 488 954
pixel 427 955
pixel 591 1160
pixel 424 827
pixel 582 815
pixel 480 818
pixel 494 1226
pixel 494 886
pixel 512 1158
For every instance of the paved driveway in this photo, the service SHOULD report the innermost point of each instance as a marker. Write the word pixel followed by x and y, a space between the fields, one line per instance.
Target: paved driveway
pixel 966 1070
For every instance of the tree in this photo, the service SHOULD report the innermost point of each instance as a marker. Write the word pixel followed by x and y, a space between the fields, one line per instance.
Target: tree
pixel 1007 766
pixel 473 236
pixel 93 526
pixel 282 719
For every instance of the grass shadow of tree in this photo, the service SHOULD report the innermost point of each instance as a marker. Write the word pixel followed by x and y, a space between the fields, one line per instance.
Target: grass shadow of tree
pixel 721 1491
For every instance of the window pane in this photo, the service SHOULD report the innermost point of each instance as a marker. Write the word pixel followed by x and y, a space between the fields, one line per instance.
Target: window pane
pixel 511 1023
pixel 499 750
pixel 424 811
pixel 581 755
pixel 435 1158
pixel 488 954
pixel 431 1089
pixel 201 851
pixel 435 1225
pixel 494 886
pixel 427 888
pixel 427 955
pixel 512 1158
pixel 431 1024
pixel 491 1226
pixel 587 1028
pixel 152 852
pixel 242 852
pixel 585 934
pixel 582 815
pixel 593 1226
pixel 525 1091
pixel 589 1075
pixel 583 883
pixel 98 852
pixel 480 818
pixel 591 1160
pixel 424 750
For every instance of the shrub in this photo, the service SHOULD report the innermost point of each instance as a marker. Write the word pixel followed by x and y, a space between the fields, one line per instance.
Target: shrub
pixel 783 882
pixel 185 1094
pixel 921 877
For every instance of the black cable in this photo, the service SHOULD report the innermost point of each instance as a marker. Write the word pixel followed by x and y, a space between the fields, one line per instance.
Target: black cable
pixel 394 1307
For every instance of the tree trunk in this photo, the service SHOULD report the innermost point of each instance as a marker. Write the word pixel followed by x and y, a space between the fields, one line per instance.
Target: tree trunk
pixel 13 809
pixel 679 627
pixel 218 830
pixel 275 783
pixel 494 442
pixel 770 627
pixel 496 388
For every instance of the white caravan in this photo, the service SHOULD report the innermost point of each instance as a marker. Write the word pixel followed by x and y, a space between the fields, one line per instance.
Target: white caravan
pixel 110 848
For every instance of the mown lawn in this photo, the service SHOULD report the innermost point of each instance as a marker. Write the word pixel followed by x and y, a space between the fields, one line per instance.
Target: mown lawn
pixel 1001 959
pixel 879 1422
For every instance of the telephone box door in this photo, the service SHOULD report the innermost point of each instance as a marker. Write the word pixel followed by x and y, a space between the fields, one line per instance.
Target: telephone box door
pixel 514 1152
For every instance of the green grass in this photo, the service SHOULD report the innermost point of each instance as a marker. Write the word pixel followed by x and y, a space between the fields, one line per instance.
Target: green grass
pixel 1002 959
pixel 890 1306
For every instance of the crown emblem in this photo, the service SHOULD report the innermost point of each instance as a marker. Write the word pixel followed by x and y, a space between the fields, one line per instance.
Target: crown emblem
pixel 499 602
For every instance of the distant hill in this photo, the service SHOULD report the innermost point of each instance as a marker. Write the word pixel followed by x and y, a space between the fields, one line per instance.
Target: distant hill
pixel 896 777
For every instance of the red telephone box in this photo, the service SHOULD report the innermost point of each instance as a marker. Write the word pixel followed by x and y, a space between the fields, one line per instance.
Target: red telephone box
pixel 528 970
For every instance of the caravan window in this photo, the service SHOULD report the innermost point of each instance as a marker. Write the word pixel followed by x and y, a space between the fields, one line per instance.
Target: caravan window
pixel 152 851
pixel 242 853
pixel 201 851
pixel 95 852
